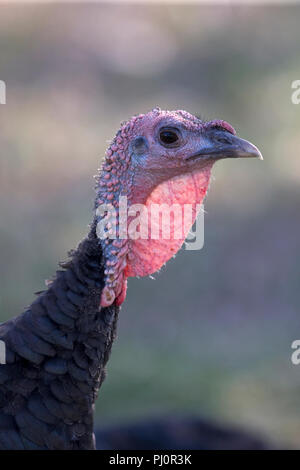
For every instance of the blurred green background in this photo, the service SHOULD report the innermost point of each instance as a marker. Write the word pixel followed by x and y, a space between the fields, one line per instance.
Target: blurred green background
pixel 212 334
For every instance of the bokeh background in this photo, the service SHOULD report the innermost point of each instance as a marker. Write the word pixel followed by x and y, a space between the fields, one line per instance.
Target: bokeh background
pixel 211 336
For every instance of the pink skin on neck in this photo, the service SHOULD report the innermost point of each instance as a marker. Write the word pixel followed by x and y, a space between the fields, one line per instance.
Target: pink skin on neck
pixel 148 255
pixel 164 177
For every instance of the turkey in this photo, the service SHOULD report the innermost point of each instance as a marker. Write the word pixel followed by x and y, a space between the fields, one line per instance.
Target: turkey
pixel 57 349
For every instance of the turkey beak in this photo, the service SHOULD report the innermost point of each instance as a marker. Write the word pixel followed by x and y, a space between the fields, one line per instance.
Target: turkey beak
pixel 219 144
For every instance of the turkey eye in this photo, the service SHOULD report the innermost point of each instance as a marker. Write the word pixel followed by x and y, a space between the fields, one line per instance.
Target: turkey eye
pixel 168 136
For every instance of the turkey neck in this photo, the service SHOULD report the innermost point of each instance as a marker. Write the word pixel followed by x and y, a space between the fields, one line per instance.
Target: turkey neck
pixel 66 339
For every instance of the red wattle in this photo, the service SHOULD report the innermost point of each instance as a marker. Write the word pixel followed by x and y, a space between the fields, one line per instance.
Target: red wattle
pixel 145 256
